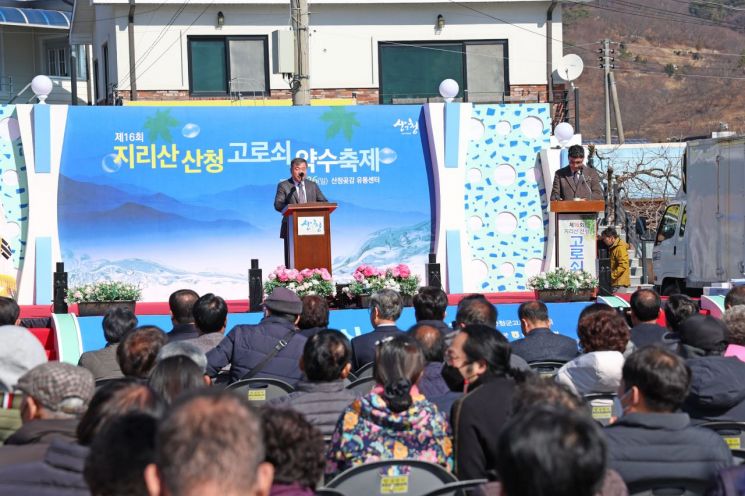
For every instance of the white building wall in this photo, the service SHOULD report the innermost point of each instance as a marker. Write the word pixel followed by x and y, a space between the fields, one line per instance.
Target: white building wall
pixel 344 38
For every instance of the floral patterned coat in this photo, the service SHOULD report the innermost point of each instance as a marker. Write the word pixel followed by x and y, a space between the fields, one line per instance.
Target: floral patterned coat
pixel 369 431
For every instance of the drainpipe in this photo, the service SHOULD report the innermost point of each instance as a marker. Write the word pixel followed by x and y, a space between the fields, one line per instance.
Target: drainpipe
pixel 549 53
pixel 131 33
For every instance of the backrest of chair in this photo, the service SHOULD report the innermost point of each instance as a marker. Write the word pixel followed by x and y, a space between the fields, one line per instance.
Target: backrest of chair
pixel 261 389
pixel 362 385
pixel 603 407
pixel 668 487
pixel 415 477
pixel 460 488
pixel 364 371
pixel 733 433
pixel 546 368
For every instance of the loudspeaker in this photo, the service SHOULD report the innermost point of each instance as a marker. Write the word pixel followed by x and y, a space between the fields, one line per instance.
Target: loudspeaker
pixel 432 269
pixel 59 289
pixel 255 289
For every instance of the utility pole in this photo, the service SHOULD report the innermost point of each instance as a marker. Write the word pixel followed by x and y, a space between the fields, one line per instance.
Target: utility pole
pixel 300 83
pixel 606 60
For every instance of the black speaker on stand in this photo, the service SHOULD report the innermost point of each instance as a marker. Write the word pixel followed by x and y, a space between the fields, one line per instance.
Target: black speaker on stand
pixel 433 272
pixel 59 288
pixel 604 280
pixel 255 288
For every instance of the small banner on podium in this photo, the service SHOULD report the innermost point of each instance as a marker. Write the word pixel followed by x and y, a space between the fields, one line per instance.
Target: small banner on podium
pixel 577 242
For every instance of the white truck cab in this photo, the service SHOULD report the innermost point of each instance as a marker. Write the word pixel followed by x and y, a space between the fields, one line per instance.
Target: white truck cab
pixel 669 252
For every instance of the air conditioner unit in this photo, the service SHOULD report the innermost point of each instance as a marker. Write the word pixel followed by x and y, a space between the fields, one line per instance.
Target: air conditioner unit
pixel 283 51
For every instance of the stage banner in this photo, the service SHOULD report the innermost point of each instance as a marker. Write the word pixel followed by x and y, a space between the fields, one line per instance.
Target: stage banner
pixel 182 197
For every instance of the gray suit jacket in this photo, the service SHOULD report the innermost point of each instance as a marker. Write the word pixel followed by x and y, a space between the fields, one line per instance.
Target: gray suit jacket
pixel 287 194
pixel 564 187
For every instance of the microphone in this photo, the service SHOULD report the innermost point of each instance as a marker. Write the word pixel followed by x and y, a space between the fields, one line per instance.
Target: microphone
pixel 302 175
pixel 584 179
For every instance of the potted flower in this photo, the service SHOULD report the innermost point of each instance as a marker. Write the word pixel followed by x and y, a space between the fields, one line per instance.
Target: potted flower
pixel 96 298
pixel 369 279
pixel 562 284
pixel 302 282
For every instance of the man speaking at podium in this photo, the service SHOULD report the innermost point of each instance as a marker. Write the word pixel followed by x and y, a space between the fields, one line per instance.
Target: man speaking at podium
pixel 295 190
pixel 575 181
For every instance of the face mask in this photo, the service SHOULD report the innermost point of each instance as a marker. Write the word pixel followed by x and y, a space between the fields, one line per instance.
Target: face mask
pixel 453 378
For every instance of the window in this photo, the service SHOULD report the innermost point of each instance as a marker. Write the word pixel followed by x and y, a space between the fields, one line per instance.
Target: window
pixel 412 72
pixel 59 61
pixel 682 230
pixel 235 65
pixel 668 224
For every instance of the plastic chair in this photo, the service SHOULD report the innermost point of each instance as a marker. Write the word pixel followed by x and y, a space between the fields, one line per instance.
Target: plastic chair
pixel 371 479
pixel 604 406
pixel 733 433
pixel 261 389
pixel 668 487
pixel 362 386
pixel 546 368
pixel 364 371
pixel 460 488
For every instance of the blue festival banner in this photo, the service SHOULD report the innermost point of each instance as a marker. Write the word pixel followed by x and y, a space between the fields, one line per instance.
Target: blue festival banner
pixel 183 196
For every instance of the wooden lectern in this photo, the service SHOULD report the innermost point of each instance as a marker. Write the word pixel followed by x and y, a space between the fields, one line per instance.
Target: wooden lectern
pixel 576 233
pixel 309 235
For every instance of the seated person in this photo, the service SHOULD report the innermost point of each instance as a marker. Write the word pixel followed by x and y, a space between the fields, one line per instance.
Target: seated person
pixel 431 384
pixel 430 305
pixel 181 303
pixel 385 309
pixel 315 316
pixel 322 395
pixel 645 309
pixel 651 440
pixel 295 448
pixel 210 316
pixel 102 363
pixel 734 319
pixel 540 343
pixel 138 350
pixel 603 337
pixel 394 421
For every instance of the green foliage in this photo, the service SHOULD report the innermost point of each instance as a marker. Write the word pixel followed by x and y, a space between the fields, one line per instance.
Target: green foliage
pixel 561 278
pixel 159 126
pixel 104 291
pixel 670 69
pixel 707 10
pixel 340 120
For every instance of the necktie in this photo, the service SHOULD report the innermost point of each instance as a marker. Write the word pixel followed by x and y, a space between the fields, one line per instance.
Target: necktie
pixel 302 193
pixel 576 178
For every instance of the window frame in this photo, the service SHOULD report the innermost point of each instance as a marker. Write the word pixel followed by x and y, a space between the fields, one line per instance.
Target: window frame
pixel 225 39
pixel 464 76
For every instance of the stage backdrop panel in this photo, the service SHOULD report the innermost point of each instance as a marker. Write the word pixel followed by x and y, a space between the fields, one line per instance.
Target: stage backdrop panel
pixel 183 197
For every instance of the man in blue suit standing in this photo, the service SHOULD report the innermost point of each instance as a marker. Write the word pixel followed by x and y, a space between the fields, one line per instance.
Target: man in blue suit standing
pixel 540 344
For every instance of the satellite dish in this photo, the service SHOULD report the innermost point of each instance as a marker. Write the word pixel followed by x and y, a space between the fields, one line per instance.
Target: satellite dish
pixel 570 67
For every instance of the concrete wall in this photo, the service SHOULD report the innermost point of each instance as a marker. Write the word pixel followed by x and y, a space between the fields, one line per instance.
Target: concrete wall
pixel 344 38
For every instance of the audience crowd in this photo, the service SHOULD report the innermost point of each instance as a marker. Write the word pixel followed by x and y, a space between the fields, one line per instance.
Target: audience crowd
pixel 168 413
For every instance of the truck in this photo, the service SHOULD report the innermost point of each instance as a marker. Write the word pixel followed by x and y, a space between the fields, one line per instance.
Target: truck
pixel 700 240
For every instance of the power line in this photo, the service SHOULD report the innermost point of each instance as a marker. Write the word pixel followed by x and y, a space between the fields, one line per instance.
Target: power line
pixel 715 4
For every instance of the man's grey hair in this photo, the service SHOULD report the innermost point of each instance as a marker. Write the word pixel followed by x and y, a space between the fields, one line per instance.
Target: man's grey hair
pixel 388 303
pixel 183 348
pixel 734 319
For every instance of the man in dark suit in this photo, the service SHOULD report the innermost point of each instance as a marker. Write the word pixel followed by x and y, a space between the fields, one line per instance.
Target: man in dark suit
pixel 295 190
pixel 181 303
pixel 540 344
pixel 385 309
pixel 645 309
pixel 575 180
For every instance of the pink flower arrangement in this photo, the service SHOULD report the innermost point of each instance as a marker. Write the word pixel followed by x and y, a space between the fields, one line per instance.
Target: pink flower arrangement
pixel 303 282
pixel 369 279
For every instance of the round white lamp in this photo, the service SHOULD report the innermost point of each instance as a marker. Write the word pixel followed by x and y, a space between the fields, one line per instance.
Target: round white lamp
pixel 564 132
pixel 41 86
pixel 449 89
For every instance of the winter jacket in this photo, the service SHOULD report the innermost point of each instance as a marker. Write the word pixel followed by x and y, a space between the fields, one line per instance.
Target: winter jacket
pixel 369 431
pixel 717 390
pixel 477 419
pixel 320 402
pixel 541 345
pixel 246 346
pixel 645 334
pixel 60 473
pixel 102 363
pixel 643 446
pixel 433 387
pixel 620 271
pixel 30 442
pixel 594 372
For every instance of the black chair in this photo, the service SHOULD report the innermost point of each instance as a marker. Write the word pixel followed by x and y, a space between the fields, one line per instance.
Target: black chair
pixel 668 487
pixel 460 488
pixel 362 386
pixel 603 407
pixel 733 433
pixel 546 368
pixel 261 389
pixel 364 371
pixel 371 479
pixel 324 491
